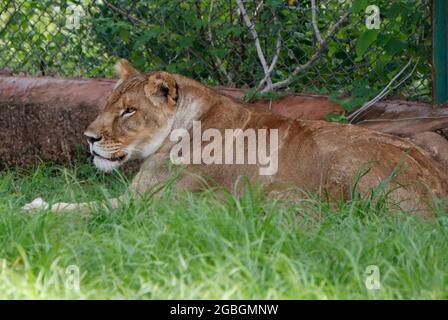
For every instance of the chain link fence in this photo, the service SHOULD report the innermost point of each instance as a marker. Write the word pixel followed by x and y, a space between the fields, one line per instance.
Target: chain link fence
pixel 341 48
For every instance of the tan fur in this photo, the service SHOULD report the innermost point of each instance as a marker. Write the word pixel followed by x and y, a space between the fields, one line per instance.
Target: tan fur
pixel 313 155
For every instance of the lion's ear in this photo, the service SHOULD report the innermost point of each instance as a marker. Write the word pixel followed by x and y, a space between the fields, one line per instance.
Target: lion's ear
pixel 161 90
pixel 125 70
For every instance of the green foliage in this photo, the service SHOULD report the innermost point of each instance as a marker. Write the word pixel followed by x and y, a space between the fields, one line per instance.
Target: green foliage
pixel 361 93
pixel 253 94
pixel 359 6
pixel 336 117
pixel 365 40
pixel 198 246
pixel 214 45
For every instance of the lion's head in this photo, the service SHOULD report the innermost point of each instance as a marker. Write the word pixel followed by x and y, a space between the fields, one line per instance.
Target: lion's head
pixel 136 119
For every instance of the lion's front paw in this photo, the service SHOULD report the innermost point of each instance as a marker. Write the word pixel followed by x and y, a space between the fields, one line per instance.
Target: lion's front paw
pixel 36 204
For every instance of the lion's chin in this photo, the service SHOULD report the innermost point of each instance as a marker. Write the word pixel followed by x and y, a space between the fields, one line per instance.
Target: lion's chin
pixel 105 165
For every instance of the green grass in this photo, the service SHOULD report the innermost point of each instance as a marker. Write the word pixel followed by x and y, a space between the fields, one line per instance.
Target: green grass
pixel 196 246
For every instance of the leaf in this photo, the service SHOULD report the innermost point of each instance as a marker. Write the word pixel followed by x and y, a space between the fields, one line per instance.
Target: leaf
pixel 394 10
pixel 334 117
pixel 147 36
pixel 359 5
pixel 362 89
pixel 353 102
pixel 365 40
pixel 394 46
pixel 383 39
pixel 124 35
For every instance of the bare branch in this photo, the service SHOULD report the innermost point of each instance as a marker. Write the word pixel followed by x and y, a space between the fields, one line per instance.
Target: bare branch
pixel 254 33
pixel 209 21
pixel 401 119
pixel 383 92
pixel 258 8
pixel 314 21
pixel 273 62
pixel 320 49
pixel 210 38
pixel 124 13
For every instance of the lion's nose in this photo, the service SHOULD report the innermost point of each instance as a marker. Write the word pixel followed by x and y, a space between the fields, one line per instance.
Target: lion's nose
pixel 91 137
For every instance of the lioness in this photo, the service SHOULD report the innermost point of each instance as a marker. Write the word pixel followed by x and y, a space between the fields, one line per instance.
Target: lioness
pixel 144 110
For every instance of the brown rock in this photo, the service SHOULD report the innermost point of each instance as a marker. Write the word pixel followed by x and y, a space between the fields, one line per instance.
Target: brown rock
pixel 405 118
pixel 435 144
pixel 44 118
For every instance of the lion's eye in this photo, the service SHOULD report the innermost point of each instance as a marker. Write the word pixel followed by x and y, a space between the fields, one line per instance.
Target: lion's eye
pixel 127 112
